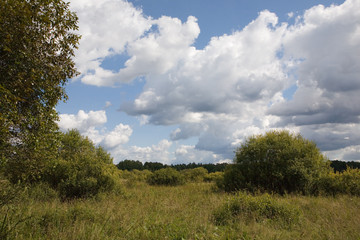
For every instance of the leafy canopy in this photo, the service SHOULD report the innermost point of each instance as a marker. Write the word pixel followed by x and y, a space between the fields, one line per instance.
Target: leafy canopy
pixel 82 169
pixel 37 42
pixel 278 161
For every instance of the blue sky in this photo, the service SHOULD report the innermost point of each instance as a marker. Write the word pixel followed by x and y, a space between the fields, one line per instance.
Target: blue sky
pixel 189 81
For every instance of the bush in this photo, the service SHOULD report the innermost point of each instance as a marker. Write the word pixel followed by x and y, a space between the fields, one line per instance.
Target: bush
pixel 130 165
pixel 194 175
pixel 277 162
pixel 166 176
pixel 214 177
pixel 82 170
pixel 134 177
pixel 346 182
pixel 246 207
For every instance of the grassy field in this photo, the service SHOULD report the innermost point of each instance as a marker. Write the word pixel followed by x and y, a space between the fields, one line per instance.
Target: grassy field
pixel 141 211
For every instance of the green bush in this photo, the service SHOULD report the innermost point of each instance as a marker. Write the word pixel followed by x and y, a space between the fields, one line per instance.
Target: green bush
pixel 246 207
pixel 277 162
pixel 82 169
pixel 135 175
pixel 346 182
pixel 214 177
pixel 195 174
pixel 166 176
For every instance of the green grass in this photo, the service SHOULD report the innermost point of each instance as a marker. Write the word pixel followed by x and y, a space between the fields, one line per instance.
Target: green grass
pixel 181 212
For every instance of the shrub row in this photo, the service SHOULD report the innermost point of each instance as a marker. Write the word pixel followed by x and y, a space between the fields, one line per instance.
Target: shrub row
pixel 346 182
pixel 171 177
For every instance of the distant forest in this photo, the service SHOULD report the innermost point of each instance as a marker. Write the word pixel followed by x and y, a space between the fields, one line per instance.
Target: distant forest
pixel 153 166
pixel 338 166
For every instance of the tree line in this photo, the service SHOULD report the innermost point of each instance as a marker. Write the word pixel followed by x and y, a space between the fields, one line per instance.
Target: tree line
pixel 341 166
pixel 337 165
pixel 154 166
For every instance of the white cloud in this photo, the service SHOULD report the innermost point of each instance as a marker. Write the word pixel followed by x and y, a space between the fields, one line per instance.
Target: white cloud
pixel 107 104
pixel 155 153
pixel 233 87
pixel 160 51
pixel 120 135
pixel 189 154
pixel 91 125
pixel 215 91
pixel 326 48
pixel 82 120
pixel 351 153
pixel 106 27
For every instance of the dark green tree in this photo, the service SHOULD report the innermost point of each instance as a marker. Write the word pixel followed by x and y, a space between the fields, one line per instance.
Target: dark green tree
pixel 82 169
pixel 37 42
pixel 154 166
pixel 276 162
pixel 130 165
pixel 195 174
pixel 166 176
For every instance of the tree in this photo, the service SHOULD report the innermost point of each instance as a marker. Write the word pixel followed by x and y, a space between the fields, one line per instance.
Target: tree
pixel 195 174
pixel 154 166
pixel 82 169
pixel 130 165
pixel 277 162
pixel 37 42
pixel 166 176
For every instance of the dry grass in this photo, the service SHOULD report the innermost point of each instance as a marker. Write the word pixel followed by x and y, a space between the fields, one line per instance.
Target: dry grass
pixel 182 212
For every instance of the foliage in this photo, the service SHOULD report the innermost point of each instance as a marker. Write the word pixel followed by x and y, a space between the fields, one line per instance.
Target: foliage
pixel 277 162
pixel 130 165
pixel 346 182
pixel 214 177
pixel 210 167
pixel 36 49
pixel 245 207
pixel 135 177
pixel 82 169
pixel 153 166
pixel 194 175
pixel 340 166
pixel 166 176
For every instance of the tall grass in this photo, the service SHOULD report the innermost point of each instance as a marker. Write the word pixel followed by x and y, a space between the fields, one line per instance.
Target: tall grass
pixel 182 212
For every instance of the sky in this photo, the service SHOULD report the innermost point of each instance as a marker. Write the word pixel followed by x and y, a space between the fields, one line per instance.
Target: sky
pixel 180 81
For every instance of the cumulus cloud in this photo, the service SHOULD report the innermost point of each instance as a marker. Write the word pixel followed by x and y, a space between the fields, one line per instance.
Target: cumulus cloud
pixel 325 45
pixel 118 136
pixel 82 120
pixel 234 87
pixel 156 153
pixel 231 70
pixel 91 125
pixel 212 92
pixel 328 42
pixel 189 154
pixel 350 153
pixel 106 27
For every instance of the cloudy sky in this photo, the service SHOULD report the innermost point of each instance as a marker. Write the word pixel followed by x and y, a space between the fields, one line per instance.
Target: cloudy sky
pixel 179 81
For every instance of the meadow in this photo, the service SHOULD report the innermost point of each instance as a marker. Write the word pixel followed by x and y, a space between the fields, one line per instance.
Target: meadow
pixel 189 211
